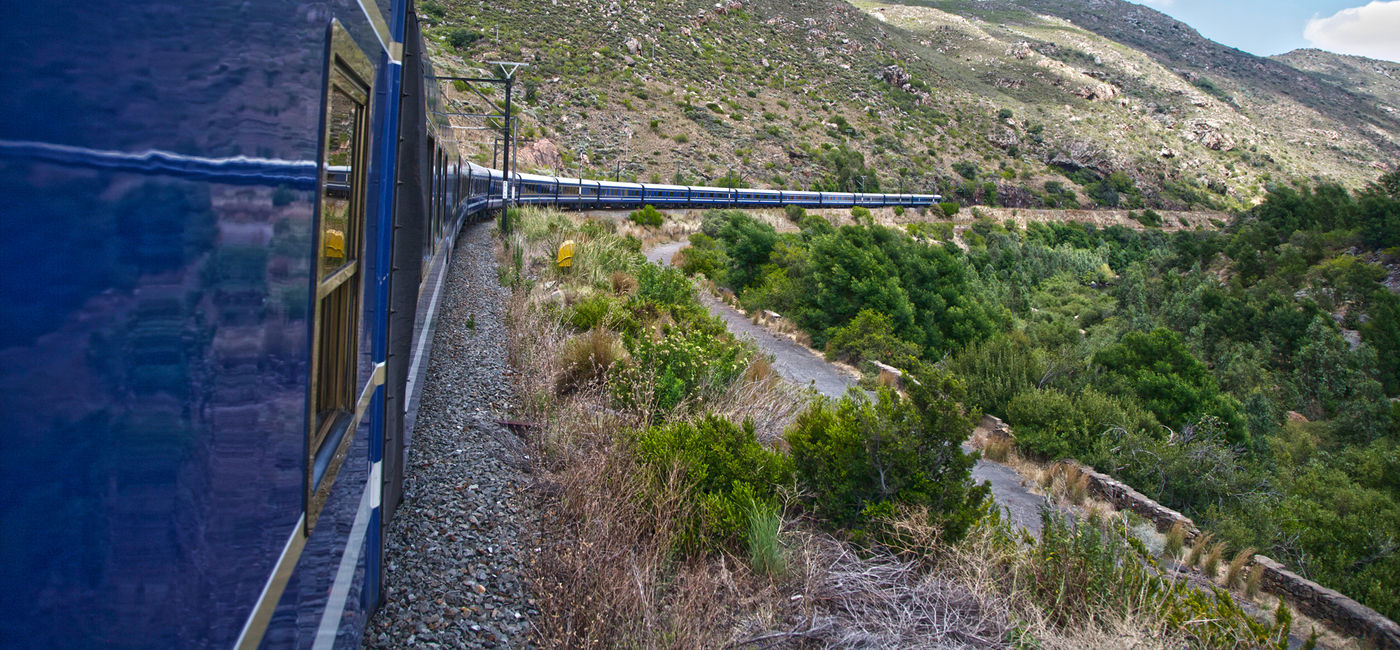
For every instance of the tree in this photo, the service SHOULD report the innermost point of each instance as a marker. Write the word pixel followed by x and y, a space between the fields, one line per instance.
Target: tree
pixel 747 241
pixel 1382 332
pixel 1173 384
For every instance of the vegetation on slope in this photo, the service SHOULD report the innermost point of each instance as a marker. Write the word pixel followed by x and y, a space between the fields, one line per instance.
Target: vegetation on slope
pixel 697 501
pixel 1245 377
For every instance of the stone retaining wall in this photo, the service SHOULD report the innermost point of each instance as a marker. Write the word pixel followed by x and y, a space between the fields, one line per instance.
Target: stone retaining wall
pixel 1317 601
pixel 1327 605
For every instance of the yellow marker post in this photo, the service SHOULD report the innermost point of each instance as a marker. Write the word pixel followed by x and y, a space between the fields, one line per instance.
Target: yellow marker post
pixel 566 254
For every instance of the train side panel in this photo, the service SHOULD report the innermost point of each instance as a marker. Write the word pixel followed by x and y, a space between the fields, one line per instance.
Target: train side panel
pixel 161 288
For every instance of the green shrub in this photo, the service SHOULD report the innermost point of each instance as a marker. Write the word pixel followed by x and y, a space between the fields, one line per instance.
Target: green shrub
pixel 898 210
pixel 647 216
pixel 997 370
pixel 859 213
pixel 727 472
pixel 1148 218
pixel 460 37
pixel 795 213
pixel 966 169
pixel 590 312
pixel 663 286
pixel 862 461
pixel 1051 424
pixel 704 257
pixel 1158 369
pixel 685 365
pixel 949 208
pixel 870 337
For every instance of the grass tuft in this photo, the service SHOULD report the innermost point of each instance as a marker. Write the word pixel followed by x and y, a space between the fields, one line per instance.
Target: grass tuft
pixel 1256 577
pixel 623 283
pixel 887 379
pixel 1234 573
pixel 1198 548
pixel 1211 565
pixel 997 449
pixel 587 357
pixel 1175 542
pixel 766 554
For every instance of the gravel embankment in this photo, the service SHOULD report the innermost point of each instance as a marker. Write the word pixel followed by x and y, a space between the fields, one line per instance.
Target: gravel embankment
pixel 455 550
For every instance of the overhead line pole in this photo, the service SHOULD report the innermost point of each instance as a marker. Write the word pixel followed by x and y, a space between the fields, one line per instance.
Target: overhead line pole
pixel 508 69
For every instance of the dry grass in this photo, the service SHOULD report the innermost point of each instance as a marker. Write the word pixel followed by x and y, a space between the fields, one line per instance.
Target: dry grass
pixel 887 379
pixel 1234 572
pixel 623 283
pixel 586 359
pixel 1066 481
pixel 1198 549
pixel 1252 584
pixel 997 449
pixel 1211 565
pixel 1175 542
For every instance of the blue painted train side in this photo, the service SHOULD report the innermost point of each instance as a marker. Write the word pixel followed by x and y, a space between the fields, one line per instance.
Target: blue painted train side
pixel 577 193
pixel 227 228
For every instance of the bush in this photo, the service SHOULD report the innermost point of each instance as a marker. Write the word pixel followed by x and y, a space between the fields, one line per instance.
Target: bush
pixel 795 213
pixel 859 213
pixel 663 286
pixel 1050 424
pixel 862 461
pixel 966 169
pixel 949 208
pixel 1148 218
pixel 1178 388
pixel 870 337
pixel 460 37
pixel 590 312
pixel 727 472
pixel 685 364
pixel 647 216
pixel 705 257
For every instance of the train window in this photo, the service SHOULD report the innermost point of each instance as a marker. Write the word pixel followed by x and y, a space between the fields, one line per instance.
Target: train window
pixel 339 276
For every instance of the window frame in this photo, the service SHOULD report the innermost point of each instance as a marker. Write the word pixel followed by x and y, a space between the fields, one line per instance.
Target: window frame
pixel 348 72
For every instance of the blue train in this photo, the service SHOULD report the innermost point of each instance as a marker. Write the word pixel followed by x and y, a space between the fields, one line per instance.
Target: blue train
pixel 585 194
pixel 226 229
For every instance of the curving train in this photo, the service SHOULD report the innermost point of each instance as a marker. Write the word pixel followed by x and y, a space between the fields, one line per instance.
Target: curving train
pixel 227 229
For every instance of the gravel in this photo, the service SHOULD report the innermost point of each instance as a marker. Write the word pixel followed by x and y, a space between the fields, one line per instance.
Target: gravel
pixel 454 559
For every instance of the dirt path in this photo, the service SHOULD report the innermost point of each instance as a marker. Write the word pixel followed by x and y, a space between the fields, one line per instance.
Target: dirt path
pixel 800 365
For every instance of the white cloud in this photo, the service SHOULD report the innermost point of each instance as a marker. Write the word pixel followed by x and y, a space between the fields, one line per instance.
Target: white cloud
pixel 1372 30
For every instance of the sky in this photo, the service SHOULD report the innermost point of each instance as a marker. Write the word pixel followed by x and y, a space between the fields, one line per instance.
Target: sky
pixel 1266 27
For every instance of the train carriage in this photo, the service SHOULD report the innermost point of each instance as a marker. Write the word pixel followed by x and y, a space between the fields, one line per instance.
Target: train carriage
pixel 229 226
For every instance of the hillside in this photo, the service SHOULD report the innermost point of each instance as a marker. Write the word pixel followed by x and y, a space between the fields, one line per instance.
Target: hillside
pixel 1032 104
pixel 1377 81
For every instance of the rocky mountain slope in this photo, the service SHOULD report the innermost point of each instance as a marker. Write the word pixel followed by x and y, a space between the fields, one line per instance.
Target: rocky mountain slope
pixel 1019 104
